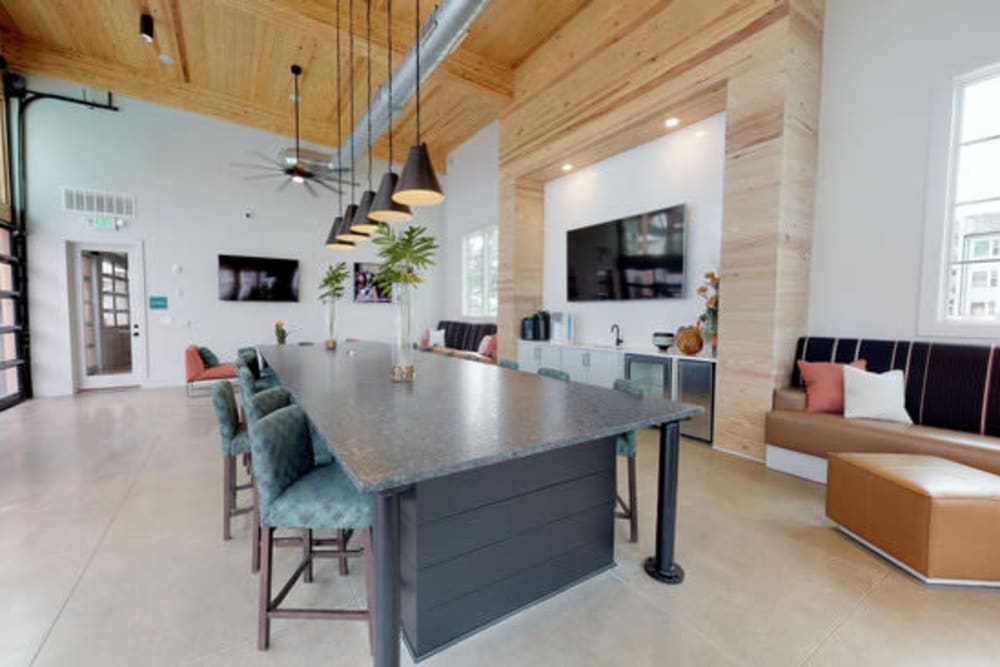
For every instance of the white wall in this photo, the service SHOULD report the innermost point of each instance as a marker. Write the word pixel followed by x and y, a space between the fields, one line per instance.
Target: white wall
pixel 190 209
pixel 886 67
pixel 683 167
pixel 473 203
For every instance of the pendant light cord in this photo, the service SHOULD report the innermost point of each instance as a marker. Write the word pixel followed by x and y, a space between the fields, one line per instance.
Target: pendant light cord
pixel 368 20
pixel 340 118
pixel 388 68
pixel 350 56
pixel 416 45
pixel 297 158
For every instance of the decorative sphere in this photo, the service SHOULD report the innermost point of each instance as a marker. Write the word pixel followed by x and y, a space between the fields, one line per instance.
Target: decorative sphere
pixel 688 340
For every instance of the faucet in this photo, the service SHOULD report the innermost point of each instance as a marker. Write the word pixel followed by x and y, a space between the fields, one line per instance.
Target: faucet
pixel 617 331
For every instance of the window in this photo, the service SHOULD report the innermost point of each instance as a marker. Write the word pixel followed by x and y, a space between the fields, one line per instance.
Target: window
pixel 973 257
pixel 480 266
pixel 13 370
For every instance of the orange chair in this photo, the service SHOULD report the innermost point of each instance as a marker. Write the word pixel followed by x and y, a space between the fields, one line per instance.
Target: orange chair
pixel 195 371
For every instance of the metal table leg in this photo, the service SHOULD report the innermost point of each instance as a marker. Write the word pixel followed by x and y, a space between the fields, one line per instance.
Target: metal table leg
pixel 386 575
pixel 662 566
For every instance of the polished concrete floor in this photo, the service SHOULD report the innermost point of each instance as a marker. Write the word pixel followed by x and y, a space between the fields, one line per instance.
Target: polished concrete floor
pixel 111 554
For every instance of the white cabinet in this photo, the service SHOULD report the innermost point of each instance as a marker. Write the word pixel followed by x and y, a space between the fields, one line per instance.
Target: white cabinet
pixel 574 361
pixel 528 356
pixel 605 366
pixel 591 365
pixel 549 355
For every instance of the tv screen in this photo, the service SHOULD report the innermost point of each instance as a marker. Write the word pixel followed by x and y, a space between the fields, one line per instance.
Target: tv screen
pixel 638 257
pixel 258 279
pixel 365 289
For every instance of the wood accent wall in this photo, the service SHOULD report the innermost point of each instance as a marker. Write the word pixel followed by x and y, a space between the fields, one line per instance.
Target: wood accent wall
pixel 604 83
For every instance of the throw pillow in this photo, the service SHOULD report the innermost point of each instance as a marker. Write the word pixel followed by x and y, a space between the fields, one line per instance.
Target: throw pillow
pixel 426 340
pixel 491 350
pixel 484 344
pixel 437 338
pixel 208 357
pixel 875 396
pixel 825 384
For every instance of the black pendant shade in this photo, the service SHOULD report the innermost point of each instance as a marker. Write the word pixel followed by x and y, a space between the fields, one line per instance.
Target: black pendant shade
pixel 418 184
pixel 346 233
pixel 335 243
pixel 361 223
pixel 384 208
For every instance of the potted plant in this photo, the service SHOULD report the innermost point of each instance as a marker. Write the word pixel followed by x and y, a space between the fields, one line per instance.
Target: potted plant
pixel 280 332
pixel 709 320
pixel 405 255
pixel 330 290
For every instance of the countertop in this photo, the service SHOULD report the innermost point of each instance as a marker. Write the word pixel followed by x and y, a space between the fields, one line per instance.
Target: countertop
pixel 645 350
pixel 457 415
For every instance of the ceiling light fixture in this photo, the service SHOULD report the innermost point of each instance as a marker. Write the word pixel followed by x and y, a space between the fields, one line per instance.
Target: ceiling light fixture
pixel 418 184
pixel 384 208
pixel 146 28
pixel 672 122
pixel 567 167
pixel 333 240
pixel 166 59
pixel 348 234
pixel 361 223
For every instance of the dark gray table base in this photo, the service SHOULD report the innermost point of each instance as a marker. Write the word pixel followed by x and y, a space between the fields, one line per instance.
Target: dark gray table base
pixel 662 566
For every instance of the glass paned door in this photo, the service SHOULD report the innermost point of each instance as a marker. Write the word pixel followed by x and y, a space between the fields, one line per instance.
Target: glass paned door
pixel 12 355
pixel 108 332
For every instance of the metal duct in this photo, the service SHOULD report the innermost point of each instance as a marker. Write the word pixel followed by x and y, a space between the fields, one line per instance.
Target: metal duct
pixel 440 34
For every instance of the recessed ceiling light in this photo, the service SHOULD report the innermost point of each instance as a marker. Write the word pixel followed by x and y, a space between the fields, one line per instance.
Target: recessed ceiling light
pixel 567 167
pixel 295 98
pixel 146 28
pixel 672 122
pixel 700 133
pixel 165 59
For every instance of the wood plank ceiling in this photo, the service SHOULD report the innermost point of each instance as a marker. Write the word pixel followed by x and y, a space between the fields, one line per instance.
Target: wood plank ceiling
pixel 232 57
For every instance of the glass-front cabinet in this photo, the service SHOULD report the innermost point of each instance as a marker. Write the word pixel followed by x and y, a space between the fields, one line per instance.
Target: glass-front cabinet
pixel 679 379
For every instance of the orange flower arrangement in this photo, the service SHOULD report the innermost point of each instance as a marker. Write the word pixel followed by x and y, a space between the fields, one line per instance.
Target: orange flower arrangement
pixel 280 332
pixel 708 321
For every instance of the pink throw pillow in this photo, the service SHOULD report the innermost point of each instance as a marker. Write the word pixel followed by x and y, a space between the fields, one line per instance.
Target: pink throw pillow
pixel 491 348
pixel 825 384
pixel 426 340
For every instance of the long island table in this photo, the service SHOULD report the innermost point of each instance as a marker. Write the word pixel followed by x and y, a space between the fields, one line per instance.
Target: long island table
pixel 492 488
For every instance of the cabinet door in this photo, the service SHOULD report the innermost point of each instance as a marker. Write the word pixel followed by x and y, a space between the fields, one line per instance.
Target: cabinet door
pixel 651 373
pixel 575 362
pixel 696 385
pixel 549 356
pixel 527 356
pixel 605 368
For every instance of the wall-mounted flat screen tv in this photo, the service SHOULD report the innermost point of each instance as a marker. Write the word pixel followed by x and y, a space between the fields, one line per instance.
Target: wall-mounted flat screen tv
pixel 638 257
pixel 365 289
pixel 258 279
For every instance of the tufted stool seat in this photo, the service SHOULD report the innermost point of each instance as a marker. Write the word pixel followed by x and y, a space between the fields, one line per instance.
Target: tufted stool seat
pixel 235 442
pixel 626 445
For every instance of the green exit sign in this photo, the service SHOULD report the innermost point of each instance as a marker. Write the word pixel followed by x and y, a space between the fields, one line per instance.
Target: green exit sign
pixel 105 222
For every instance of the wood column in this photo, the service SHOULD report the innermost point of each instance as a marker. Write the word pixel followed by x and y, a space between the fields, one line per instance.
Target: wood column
pixel 519 286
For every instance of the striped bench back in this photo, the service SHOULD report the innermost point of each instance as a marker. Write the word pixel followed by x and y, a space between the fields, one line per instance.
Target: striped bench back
pixel 947 385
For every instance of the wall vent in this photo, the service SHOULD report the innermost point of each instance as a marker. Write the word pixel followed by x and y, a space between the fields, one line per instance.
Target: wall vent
pixel 92 202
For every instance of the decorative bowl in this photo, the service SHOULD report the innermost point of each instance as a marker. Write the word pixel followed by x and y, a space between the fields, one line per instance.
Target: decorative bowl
pixel 689 340
pixel 663 340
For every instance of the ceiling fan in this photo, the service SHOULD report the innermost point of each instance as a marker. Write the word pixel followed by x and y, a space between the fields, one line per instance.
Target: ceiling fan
pixel 301 166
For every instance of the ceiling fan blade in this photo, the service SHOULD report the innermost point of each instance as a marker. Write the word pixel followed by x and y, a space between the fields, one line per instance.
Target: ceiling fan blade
pixel 258 177
pixel 328 187
pixel 339 181
pixel 249 165
pixel 310 188
pixel 267 159
pixel 284 185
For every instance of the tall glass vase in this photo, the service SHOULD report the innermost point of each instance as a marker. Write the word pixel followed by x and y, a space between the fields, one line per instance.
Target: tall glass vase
pixel 402 361
pixel 331 324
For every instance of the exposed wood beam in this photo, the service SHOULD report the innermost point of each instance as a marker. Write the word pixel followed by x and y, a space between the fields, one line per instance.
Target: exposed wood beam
pixel 489 79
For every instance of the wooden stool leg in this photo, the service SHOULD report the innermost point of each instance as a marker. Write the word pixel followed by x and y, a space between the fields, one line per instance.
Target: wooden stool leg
pixel 228 494
pixel 307 543
pixel 369 580
pixel 342 545
pixel 263 622
pixel 255 545
pixel 633 514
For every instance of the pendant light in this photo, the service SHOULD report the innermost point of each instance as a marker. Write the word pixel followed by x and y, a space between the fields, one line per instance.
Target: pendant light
pixel 361 223
pixel 418 184
pixel 348 233
pixel 332 240
pixel 384 208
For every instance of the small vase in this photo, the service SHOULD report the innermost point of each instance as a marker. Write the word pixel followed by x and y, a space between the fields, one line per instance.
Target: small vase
pixel 331 324
pixel 402 362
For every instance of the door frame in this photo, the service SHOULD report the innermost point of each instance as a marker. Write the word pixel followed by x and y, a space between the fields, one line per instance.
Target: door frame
pixel 137 314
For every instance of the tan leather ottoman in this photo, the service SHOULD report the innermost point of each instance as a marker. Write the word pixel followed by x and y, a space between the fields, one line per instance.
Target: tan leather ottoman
pixel 938 519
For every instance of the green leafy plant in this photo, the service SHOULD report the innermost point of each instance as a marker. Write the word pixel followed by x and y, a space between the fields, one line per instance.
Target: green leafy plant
pixel 332 286
pixel 404 254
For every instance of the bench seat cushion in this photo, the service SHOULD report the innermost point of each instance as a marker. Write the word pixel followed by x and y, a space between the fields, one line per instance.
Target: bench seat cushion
pixel 940 518
pixel 225 371
pixel 822 434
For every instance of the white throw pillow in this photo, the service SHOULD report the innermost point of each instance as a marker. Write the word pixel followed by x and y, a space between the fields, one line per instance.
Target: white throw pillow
pixel 437 338
pixel 875 395
pixel 484 345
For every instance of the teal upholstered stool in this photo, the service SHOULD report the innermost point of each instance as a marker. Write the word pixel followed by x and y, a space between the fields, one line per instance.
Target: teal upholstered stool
pixel 235 442
pixel 264 375
pixel 626 445
pixel 554 373
pixel 293 493
pixel 508 363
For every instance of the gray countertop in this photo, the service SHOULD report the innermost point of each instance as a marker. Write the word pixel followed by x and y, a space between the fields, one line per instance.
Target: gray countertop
pixel 457 415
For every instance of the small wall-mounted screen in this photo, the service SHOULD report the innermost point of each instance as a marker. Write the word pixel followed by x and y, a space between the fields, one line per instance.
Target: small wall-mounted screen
pixel 258 279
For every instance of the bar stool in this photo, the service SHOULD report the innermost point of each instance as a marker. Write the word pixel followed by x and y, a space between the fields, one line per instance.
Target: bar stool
pixel 626 445
pixel 293 493
pixel 235 442
pixel 554 373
